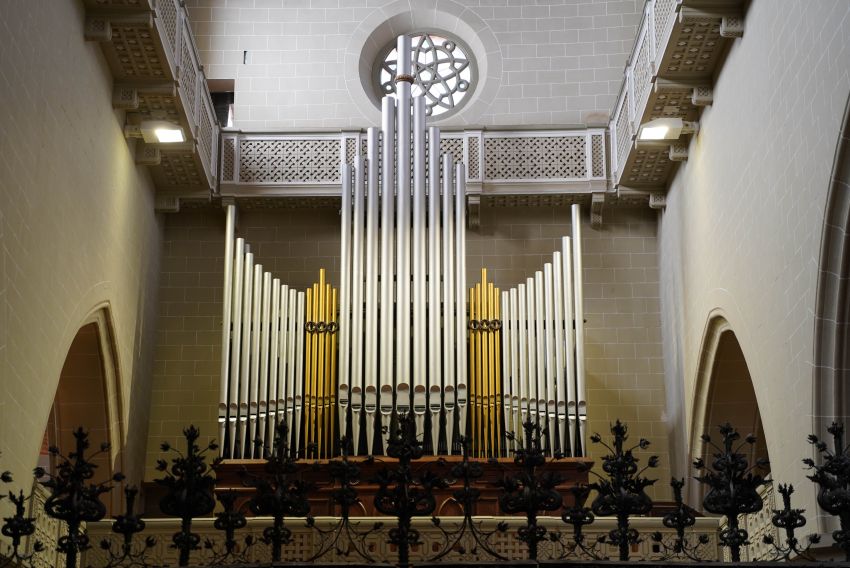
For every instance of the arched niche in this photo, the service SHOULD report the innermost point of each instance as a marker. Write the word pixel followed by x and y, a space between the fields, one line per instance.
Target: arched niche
pixel 831 381
pixel 724 393
pixel 87 396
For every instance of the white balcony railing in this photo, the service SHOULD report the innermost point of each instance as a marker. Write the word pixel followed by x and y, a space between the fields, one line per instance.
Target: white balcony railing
pixel 497 162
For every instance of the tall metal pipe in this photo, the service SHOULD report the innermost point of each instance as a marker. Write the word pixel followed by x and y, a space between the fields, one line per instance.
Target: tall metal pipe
pixel 235 345
pixel 370 394
pixel 435 375
pixel 449 316
pixel 387 382
pixel 345 300
pixel 460 288
pixel 247 314
pixel 226 336
pixel 579 324
pixel 402 253
pixel 419 274
pixel 357 330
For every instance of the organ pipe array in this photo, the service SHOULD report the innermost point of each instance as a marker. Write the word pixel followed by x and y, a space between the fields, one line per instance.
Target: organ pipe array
pixel 403 333
pixel 403 265
pixel 543 362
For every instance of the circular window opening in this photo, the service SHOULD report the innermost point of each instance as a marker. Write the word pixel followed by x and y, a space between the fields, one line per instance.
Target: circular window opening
pixel 443 72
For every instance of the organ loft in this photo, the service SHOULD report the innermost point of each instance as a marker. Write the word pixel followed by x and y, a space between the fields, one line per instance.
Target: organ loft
pixel 407 282
pixel 403 331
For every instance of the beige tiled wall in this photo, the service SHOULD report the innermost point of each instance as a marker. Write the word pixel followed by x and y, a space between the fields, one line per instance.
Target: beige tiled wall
pixel 624 374
pixel 740 237
pixel 77 227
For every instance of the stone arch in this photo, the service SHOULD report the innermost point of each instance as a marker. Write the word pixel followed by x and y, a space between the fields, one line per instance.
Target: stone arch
pixel 831 380
pixel 724 393
pixel 88 394
pixel 402 17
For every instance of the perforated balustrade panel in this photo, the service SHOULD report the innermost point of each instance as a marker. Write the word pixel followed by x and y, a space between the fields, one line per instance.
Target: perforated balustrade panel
pixel 534 158
pixel 289 160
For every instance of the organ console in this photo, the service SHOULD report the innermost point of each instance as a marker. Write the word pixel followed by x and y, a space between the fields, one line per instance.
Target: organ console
pixel 403 333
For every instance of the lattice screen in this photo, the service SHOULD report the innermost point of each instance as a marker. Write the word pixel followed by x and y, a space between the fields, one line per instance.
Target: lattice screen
pixel 289 161
pixel 535 157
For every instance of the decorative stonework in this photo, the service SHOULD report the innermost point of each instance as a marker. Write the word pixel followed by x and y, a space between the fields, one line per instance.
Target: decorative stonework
pixel 597 151
pixel 289 160
pixel 443 72
pixel 305 540
pixel 535 157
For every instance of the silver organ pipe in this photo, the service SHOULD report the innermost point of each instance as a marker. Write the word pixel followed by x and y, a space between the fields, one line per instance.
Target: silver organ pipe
pixel 345 295
pixel 226 336
pixel 420 388
pixel 460 339
pixel 448 302
pixel 404 329
pixel 386 352
pixel 545 337
pixel 578 295
pixel 402 232
pixel 247 312
pixel 370 392
pixel 435 402
pixel 234 347
pixel 356 336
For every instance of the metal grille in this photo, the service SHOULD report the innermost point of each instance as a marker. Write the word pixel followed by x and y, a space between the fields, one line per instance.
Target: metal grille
pixel 663 10
pixel 624 135
pixel 205 131
pixel 289 161
pixel 535 157
pixel 188 75
pixel 166 11
pixel 597 149
pixel 473 171
pixel 228 151
pixel 642 69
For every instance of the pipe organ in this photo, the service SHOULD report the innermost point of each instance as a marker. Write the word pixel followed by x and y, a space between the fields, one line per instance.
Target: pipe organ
pixel 403 333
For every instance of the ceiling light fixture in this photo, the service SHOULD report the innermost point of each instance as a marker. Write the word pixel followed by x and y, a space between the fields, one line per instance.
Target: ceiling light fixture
pixel 666 129
pixel 161 132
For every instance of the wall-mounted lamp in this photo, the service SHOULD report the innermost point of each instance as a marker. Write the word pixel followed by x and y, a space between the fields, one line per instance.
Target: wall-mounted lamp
pixel 161 132
pixel 665 129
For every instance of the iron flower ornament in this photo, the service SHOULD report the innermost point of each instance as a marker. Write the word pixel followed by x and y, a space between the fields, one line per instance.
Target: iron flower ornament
pixel 732 485
pixel 832 477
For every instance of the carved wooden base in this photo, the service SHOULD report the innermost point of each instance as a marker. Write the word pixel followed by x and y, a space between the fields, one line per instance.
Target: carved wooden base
pixel 321 503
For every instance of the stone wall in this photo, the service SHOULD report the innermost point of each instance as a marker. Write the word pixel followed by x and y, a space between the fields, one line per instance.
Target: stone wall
pixel 296 63
pixel 77 228
pixel 740 237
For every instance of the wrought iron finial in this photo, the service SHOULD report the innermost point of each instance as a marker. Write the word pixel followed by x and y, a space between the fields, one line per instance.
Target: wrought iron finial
pixel 403 494
pixel 789 520
pixel 228 521
pixel 277 493
pixel 468 530
pixel 530 490
pixel 344 537
pixel 74 499
pixel 16 528
pixel 622 491
pixel 128 525
pixel 680 519
pixel 579 515
pixel 833 479
pixel 732 486
pixel 189 486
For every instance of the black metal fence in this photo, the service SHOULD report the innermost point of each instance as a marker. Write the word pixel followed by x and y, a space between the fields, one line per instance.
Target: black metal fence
pixel 405 492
